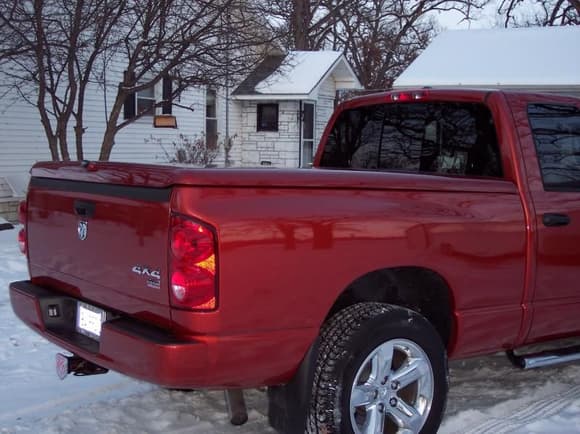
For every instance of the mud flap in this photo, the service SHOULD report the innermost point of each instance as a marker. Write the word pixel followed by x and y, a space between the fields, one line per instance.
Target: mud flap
pixel 288 405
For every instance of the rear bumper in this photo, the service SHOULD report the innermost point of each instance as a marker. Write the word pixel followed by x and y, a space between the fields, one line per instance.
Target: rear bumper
pixel 126 346
pixel 157 356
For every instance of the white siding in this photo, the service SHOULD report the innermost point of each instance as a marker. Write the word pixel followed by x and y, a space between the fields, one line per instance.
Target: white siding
pixel 22 139
pixel 23 142
pixel 324 107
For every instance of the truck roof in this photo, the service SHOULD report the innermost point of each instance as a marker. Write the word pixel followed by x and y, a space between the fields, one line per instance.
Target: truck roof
pixel 443 94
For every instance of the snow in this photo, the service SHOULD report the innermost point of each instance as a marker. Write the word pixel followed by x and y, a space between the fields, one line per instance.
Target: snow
pixel 4 224
pixel 539 56
pixel 487 394
pixel 300 73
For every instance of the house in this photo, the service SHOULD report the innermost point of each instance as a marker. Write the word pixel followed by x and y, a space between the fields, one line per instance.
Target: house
pixel 275 117
pixel 538 59
pixel 285 104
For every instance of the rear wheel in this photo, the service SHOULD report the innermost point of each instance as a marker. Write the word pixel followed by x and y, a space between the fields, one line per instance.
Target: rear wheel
pixel 380 369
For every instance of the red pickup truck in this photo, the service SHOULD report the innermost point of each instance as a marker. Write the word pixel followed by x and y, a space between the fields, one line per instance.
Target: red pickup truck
pixel 434 224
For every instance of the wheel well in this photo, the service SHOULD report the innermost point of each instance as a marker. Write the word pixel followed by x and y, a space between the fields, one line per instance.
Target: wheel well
pixel 415 288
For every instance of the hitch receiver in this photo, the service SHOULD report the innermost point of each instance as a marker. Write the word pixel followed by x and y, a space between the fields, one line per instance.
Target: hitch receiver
pixel 77 366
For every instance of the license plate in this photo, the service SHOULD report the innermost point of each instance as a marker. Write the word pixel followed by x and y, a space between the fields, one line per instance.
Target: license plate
pixel 90 319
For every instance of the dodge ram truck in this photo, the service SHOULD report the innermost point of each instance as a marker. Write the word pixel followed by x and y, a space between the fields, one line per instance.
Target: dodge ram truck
pixel 434 224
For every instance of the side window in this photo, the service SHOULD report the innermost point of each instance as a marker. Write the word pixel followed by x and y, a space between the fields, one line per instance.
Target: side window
pixel 436 137
pixel 556 132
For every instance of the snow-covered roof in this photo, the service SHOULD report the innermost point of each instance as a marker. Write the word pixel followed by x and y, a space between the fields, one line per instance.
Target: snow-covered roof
pixel 519 57
pixel 296 75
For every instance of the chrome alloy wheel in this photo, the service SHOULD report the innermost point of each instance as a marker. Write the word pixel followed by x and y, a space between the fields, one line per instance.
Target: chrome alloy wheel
pixel 392 390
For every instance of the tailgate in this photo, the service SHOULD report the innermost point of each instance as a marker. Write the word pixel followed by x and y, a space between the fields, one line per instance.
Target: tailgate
pixel 101 242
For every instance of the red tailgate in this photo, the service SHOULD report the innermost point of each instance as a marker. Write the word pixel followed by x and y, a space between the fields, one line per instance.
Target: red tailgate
pixel 105 243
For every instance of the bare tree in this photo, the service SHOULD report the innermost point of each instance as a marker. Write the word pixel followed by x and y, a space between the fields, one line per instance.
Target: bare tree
pixel 190 42
pixel 304 24
pixel 53 50
pixel 539 12
pixel 49 59
pixel 379 37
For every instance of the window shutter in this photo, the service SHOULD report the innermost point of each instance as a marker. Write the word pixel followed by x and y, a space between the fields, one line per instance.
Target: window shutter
pixel 167 94
pixel 129 105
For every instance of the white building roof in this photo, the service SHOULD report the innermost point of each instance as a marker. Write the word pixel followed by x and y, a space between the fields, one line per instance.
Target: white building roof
pixel 520 57
pixel 298 75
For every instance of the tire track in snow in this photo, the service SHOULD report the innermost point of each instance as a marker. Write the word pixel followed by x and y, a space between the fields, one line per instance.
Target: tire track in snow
pixel 93 393
pixel 528 413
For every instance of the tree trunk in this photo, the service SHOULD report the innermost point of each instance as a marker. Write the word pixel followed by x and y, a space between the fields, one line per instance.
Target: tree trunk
pixel 112 128
pixel 53 146
pixel 63 144
pixel 300 24
pixel 79 127
pixel 79 131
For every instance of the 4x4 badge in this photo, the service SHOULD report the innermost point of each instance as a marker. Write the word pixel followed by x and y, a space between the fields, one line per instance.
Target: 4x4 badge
pixel 82 230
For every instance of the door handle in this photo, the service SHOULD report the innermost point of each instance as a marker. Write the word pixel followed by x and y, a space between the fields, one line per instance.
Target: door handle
pixel 84 208
pixel 550 219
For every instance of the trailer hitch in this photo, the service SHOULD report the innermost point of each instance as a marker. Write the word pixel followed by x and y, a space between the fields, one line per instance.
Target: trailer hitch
pixel 77 366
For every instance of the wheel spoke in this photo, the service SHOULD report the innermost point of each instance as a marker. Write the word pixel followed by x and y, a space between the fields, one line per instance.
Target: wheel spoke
pixel 406 416
pixel 362 395
pixel 382 362
pixel 375 423
pixel 410 372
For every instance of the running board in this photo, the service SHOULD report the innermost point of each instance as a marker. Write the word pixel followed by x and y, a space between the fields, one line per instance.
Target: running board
pixel 545 358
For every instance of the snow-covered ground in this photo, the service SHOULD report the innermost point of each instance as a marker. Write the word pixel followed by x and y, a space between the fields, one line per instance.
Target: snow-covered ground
pixel 487 395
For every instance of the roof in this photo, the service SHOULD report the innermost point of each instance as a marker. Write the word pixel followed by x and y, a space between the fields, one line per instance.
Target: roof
pixel 296 75
pixel 519 57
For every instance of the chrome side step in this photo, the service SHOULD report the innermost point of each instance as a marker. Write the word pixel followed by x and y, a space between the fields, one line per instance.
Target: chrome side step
pixel 545 358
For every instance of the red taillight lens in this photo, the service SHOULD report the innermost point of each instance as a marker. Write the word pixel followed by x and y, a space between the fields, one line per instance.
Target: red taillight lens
pixel 22 208
pixel 22 240
pixel 193 265
pixel 190 240
pixel 22 212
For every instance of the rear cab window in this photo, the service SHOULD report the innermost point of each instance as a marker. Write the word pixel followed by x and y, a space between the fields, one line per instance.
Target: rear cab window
pixel 451 138
pixel 556 133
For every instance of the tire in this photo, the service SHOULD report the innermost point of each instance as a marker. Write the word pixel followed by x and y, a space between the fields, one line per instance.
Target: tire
pixel 350 391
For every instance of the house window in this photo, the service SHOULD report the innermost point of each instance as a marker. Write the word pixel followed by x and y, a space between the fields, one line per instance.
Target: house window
pixel 267 117
pixel 146 101
pixel 211 133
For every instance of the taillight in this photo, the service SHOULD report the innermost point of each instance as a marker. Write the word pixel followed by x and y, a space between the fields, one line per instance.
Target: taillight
pixel 193 265
pixel 22 242
pixel 22 208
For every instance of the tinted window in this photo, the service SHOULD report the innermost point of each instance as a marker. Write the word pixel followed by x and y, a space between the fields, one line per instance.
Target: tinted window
pixel 267 117
pixel 556 131
pixel 448 138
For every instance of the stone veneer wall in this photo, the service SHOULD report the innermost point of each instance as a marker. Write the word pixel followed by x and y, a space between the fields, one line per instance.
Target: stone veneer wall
pixel 280 147
pixel 9 209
